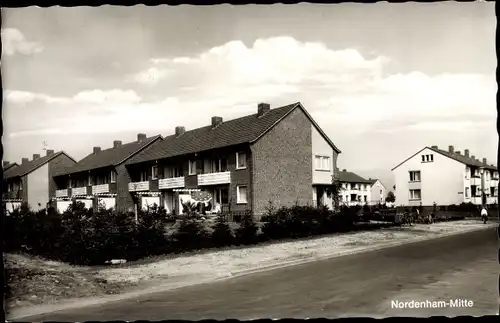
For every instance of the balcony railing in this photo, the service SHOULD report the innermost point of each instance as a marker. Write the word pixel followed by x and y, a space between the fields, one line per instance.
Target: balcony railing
pixel 475 181
pixel 138 186
pixel 79 191
pixel 214 178
pixel 103 188
pixel 62 193
pixel 168 183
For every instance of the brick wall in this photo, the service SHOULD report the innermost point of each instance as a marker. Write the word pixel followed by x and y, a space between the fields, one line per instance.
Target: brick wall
pixel 240 177
pixel 124 201
pixel 282 164
pixel 24 192
pixel 56 165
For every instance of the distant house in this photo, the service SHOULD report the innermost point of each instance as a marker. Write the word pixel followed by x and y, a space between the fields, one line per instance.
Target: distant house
pixel 377 192
pixel 279 155
pixel 355 189
pixel 31 182
pixel 445 177
pixel 101 177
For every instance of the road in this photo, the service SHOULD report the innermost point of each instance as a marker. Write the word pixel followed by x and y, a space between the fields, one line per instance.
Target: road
pixel 457 267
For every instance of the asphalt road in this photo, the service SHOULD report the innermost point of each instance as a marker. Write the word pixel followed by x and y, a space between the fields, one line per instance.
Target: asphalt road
pixel 457 267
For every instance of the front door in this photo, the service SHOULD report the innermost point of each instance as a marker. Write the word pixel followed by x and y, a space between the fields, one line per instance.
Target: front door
pixel 320 196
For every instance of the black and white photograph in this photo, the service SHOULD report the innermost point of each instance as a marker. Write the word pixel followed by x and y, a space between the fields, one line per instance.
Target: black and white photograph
pixel 250 161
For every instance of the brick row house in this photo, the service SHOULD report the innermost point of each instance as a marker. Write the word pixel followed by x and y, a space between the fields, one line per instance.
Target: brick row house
pixel 32 181
pixel 101 177
pixel 355 189
pixel 279 155
pixel 445 177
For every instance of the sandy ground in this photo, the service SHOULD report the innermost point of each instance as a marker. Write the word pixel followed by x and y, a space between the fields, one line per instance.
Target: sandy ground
pixel 54 283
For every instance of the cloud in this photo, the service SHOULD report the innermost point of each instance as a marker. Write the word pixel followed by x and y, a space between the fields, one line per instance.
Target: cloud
pixel 13 41
pixel 348 92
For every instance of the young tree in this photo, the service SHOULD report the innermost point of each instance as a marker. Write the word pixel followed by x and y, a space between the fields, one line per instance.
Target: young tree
pixel 391 198
pixel 333 191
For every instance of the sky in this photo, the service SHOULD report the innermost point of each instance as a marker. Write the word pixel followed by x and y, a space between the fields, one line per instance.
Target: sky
pixel 382 80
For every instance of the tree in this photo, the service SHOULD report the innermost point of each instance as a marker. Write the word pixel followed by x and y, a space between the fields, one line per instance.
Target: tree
pixel 333 191
pixel 390 198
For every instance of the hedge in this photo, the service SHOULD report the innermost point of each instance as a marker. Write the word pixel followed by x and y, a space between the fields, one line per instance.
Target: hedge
pixel 83 237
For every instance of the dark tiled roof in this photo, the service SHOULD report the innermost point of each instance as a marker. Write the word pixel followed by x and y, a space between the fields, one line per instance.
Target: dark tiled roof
pixel 30 166
pixel 9 166
pixel 229 133
pixel 350 177
pixel 109 157
pixel 462 159
pixel 372 181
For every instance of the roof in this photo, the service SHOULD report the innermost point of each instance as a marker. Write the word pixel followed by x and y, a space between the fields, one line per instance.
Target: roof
pixel 9 166
pixel 459 158
pixel 31 165
pixel 109 157
pixel 247 129
pixel 350 177
pixel 372 181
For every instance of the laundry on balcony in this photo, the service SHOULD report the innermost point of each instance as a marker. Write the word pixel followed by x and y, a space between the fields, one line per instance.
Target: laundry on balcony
pixel 148 193
pixel 88 197
pixel 105 194
pixel 186 190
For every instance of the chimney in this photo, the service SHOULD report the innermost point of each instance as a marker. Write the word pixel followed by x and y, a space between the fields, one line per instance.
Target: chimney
pixel 117 143
pixel 344 170
pixel 179 131
pixel 473 157
pixel 485 161
pixel 451 149
pixel 97 150
pixel 466 153
pixel 216 121
pixel 141 137
pixel 36 156
pixel 262 108
pixel 5 163
pixel 50 152
pixel 24 160
pixel 435 147
pixel 457 152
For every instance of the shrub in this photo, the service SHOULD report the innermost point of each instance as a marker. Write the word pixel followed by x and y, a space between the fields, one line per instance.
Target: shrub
pixel 272 228
pixel 247 232
pixel 191 233
pixel 221 235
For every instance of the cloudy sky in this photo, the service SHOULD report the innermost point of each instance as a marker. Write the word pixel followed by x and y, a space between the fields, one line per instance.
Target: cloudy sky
pixel 382 80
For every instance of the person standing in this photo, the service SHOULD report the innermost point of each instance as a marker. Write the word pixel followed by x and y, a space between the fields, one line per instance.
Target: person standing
pixel 484 214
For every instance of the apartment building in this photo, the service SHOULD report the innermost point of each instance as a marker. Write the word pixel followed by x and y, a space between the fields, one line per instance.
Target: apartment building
pixel 355 189
pixel 101 177
pixel 378 192
pixel 445 177
pixel 279 155
pixel 32 181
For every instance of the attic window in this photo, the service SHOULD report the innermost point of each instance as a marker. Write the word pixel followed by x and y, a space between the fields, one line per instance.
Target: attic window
pixel 427 158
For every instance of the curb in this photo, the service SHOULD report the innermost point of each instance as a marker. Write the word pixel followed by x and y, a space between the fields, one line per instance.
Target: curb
pixel 92 301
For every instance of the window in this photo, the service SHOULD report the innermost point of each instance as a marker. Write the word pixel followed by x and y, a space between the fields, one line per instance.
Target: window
pixel 154 172
pixel 415 195
pixel 423 158
pixel 144 176
pixel 322 163
pixel 21 185
pixel 431 157
pixel 241 194
pixel 89 180
pixel 9 187
pixel 380 192
pixel 113 176
pixel 219 165
pixel 467 192
pixel 173 171
pixel 492 191
pixel 348 186
pixel 70 183
pixel 426 158
pixel 364 197
pixel 467 173
pixel 415 176
pixel 192 167
pixel 241 160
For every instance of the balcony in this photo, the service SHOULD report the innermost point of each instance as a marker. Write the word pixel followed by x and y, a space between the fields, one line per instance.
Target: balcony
pixel 103 188
pixel 138 186
pixel 169 183
pixel 62 193
pixel 79 190
pixel 214 178
pixel 475 181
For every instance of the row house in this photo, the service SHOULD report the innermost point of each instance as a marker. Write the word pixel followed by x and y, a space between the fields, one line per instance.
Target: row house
pixel 445 177
pixel 31 182
pixel 378 192
pixel 355 189
pixel 101 177
pixel 279 155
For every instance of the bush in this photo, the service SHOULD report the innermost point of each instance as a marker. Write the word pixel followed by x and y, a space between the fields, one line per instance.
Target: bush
pixel 247 232
pixel 191 233
pixel 221 235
